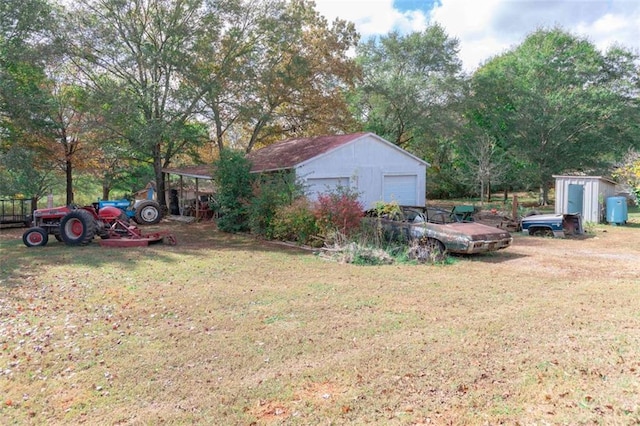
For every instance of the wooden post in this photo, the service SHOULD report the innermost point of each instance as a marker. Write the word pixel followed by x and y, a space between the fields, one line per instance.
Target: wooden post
pixel 197 201
pixel 514 207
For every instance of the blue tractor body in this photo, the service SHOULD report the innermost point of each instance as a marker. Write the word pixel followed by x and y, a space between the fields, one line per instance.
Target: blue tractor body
pixel 124 205
pixel 147 212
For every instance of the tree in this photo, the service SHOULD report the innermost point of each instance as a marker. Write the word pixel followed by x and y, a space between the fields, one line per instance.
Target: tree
pixel 410 91
pixel 481 163
pixel 144 48
pixel 277 69
pixel 555 102
pixel 38 108
pixel 627 172
pixel 34 181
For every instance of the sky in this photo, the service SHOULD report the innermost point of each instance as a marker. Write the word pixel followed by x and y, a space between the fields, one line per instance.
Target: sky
pixel 486 28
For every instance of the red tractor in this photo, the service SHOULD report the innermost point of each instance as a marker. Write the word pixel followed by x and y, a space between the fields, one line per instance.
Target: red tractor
pixel 79 225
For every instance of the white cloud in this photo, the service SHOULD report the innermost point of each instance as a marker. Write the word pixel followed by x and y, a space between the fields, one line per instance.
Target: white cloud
pixel 487 28
pixel 373 17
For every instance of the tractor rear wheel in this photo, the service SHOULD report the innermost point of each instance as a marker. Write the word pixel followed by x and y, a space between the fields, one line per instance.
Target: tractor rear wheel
pixel 148 213
pixel 35 237
pixel 78 227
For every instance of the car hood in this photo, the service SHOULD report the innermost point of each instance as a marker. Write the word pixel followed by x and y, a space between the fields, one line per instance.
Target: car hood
pixel 545 217
pixel 477 231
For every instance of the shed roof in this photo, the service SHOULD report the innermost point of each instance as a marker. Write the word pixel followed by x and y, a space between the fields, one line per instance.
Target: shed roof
pixel 585 177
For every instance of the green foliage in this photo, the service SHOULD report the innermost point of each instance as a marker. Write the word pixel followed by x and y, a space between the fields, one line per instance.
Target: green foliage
pixel 627 173
pixel 338 211
pixel 34 181
pixel 296 222
pixel 556 105
pixel 410 94
pixel 382 208
pixel 271 192
pixel 231 173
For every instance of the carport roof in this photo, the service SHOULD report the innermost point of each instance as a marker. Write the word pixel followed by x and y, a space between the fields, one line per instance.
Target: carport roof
pixel 202 171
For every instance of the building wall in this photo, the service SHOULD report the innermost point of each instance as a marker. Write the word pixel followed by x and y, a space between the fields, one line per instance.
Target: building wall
pixel 596 191
pixel 363 164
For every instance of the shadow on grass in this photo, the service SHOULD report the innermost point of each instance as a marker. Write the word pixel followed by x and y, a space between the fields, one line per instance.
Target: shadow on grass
pixel 491 257
pixel 18 261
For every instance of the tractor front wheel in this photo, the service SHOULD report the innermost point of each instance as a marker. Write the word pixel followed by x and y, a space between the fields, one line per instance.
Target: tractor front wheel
pixel 78 227
pixel 35 237
pixel 148 213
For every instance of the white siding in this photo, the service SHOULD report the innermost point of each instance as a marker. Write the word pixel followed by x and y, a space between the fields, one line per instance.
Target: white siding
pixel 366 161
pixel 596 191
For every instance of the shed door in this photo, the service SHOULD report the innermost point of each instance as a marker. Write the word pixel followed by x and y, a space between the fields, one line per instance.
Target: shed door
pixel 575 197
pixel 401 189
pixel 317 186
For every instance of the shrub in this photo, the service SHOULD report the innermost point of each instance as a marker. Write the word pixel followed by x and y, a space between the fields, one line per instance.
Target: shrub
pixel 270 193
pixel 295 222
pixel 338 211
pixel 234 182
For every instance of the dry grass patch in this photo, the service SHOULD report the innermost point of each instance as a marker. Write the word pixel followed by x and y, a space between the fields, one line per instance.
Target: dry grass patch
pixel 229 330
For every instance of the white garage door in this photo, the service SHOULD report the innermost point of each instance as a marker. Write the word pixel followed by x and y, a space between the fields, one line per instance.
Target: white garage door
pixel 317 186
pixel 401 189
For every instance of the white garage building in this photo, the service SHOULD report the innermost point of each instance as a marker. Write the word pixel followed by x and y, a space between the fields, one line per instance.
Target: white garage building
pixel 377 169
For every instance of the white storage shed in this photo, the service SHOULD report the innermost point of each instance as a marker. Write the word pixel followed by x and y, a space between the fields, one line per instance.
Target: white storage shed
pixel 377 169
pixel 586 195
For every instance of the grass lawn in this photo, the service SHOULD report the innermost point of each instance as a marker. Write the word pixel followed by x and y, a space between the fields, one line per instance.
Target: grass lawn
pixel 224 329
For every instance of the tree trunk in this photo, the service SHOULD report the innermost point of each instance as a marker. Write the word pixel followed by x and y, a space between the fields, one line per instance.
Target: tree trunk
pixel 157 168
pixel 544 195
pixel 106 189
pixel 69 179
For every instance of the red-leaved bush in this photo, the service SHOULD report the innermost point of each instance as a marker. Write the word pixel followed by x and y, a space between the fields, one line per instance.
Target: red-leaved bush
pixel 340 211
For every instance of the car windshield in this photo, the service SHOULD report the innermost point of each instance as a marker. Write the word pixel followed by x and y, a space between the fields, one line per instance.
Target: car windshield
pixel 431 215
pixel 439 216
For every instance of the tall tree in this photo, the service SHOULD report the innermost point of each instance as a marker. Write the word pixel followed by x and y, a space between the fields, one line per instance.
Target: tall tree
pixel 278 68
pixel 31 121
pixel 556 103
pixel 410 90
pixel 146 47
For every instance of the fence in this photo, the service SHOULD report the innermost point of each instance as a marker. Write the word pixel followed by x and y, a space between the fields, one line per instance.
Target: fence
pixel 15 211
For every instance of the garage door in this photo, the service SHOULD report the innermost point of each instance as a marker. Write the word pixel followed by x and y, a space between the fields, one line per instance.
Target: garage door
pixel 317 186
pixel 401 189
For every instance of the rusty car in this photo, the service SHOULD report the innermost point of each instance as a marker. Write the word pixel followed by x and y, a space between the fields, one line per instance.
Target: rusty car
pixel 438 231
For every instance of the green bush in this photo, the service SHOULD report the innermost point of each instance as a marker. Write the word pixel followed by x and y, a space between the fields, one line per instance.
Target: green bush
pixel 234 182
pixel 296 222
pixel 269 194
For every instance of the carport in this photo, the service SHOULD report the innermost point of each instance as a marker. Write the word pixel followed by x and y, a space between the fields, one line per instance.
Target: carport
pixel 190 196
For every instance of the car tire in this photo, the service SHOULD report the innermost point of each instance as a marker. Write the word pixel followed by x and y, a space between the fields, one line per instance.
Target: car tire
pixel 543 232
pixel 428 250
